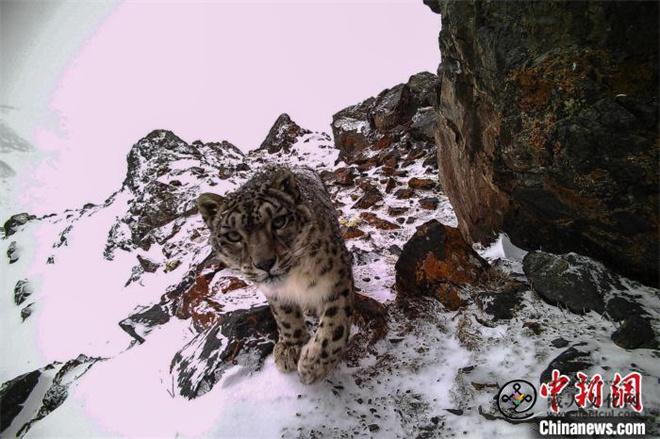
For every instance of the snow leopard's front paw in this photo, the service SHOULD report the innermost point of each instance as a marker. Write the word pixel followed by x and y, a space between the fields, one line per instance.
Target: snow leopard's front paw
pixel 312 365
pixel 286 356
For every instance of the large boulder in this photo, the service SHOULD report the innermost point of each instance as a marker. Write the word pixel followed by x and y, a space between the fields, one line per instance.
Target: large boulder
pixel 14 394
pixel 29 398
pixel 436 262
pixel 22 290
pixel 547 126
pixel 569 280
pixel 15 221
pixel 635 332
pixel 13 253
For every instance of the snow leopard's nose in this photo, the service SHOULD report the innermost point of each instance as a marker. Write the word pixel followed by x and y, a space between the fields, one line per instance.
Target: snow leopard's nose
pixel 265 264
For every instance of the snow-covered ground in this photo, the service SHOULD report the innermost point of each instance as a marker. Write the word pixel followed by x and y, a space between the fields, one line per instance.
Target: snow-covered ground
pixel 428 377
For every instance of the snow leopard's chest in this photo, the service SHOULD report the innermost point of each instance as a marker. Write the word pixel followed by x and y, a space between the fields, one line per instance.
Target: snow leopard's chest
pixel 301 288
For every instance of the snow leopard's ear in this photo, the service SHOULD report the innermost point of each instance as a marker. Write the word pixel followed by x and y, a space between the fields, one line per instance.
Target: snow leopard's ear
pixel 208 205
pixel 285 181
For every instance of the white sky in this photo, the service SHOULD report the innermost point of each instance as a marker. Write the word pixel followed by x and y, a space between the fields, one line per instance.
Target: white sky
pixel 90 79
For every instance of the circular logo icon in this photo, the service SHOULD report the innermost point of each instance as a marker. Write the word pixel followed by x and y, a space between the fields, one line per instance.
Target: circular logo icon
pixel 516 399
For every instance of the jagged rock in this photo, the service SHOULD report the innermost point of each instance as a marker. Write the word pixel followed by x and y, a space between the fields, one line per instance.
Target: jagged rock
pixel 352 233
pixel 147 265
pixel 396 211
pixel 391 184
pixel 198 305
pixel 389 158
pixel 434 5
pixel 501 306
pixel 136 274
pixel 435 262
pixel 189 299
pixel 424 124
pixel 371 317
pixel 431 164
pixel 171 265
pixel 228 284
pixel 145 319
pixel 63 237
pixel 345 176
pixel 430 203
pixel 12 252
pixel 351 128
pixel 58 390
pixel 15 221
pixel 371 197
pixel 620 308
pixel 22 291
pixel 392 107
pixel 26 311
pixel 379 223
pixel 547 126
pixel 421 183
pixel 404 193
pixel 382 123
pixel 282 135
pixel 244 337
pixel 534 327
pixel 13 395
pixel 559 342
pixel 569 280
pixel 424 87
pixel 635 332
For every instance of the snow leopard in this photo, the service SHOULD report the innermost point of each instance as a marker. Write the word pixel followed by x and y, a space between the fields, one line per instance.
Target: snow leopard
pixel 281 231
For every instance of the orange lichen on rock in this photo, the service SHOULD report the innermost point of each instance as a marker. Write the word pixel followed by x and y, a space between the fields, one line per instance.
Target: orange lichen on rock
pixel 422 183
pixel 229 283
pixel 198 305
pixel 450 297
pixel 352 233
pixel 382 143
pixel 438 262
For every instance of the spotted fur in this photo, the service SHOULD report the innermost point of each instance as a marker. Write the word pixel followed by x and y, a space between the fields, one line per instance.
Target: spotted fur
pixel 281 231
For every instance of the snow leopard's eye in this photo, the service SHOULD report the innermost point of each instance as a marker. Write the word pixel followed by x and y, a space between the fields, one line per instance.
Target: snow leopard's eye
pixel 233 236
pixel 279 222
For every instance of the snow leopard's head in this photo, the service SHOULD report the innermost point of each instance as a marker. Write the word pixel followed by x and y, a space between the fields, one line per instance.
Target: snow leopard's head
pixel 261 228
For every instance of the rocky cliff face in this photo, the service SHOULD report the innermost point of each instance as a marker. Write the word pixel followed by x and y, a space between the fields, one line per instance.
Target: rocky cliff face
pixel 548 126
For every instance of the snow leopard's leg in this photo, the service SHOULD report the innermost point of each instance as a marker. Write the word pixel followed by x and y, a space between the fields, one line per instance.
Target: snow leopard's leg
pixel 292 334
pixel 324 349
